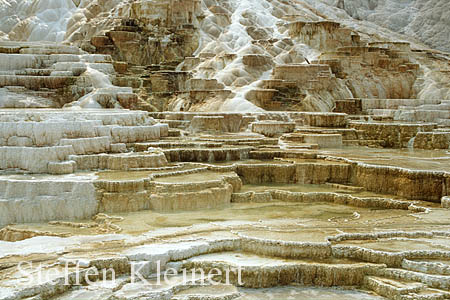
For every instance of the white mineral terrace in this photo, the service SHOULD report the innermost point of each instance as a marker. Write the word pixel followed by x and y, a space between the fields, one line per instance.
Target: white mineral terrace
pixel 224 149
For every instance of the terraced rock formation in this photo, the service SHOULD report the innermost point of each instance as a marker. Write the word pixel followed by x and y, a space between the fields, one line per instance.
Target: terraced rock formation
pixel 269 149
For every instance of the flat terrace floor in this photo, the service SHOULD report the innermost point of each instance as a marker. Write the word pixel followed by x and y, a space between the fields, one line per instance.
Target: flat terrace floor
pixel 290 216
pixel 433 160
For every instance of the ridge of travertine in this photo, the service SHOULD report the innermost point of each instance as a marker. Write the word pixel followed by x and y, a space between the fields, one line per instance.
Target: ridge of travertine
pixel 227 56
pixel 294 149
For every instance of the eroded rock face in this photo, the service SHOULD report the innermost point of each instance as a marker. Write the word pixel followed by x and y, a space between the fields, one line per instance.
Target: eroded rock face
pixel 46 200
pixel 53 76
pixel 199 190
pixel 418 19
pixel 432 140
pixel 272 128
pixel 55 140
pixel 394 135
pixel 269 55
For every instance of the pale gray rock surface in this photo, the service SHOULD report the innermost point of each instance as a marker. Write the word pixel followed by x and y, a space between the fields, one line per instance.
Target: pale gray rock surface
pixel 425 20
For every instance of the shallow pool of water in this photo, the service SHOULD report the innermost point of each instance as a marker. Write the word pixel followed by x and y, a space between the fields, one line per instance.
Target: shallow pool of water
pixel 141 174
pixel 312 188
pixel 436 160
pixel 296 216
pixel 302 293
pixel 195 177
pixel 403 244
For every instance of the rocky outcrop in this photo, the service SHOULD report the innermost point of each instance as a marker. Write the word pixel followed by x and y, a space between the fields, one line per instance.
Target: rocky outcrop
pixel 272 128
pixel 230 137
pixel 413 18
pixel 28 200
pixel 394 135
pixel 53 143
pixel 432 140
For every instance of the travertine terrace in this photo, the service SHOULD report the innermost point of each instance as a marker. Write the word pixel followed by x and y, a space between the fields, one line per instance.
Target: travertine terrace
pixel 282 149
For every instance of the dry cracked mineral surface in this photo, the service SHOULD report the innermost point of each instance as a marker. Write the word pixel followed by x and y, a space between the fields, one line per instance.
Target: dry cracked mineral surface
pixel 270 149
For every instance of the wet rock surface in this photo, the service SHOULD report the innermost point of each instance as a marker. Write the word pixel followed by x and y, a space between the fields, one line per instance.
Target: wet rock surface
pixel 270 149
pixel 363 222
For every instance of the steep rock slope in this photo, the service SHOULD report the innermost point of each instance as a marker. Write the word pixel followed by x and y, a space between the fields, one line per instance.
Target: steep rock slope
pixel 229 55
pixel 426 20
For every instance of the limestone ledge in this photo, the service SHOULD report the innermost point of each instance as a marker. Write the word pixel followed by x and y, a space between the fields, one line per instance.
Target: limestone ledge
pixel 411 184
pixel 387 234
pixel 207 124
pixel 320 119
pixel 88 145
pixel 12 234
pixel 136 185
pixel 46 133
pixel 177 144
pixel 225 122
pixel 179 251
pixel 308 173
pixel 432 140
pixel 165 187
pixel 33 201
pixel 391 259
pixel 208 154
pixel 34 160
pixel 285 249
pixel 323 140
pixel 314 197
pixel 282 154
pixel 41 141
pixel 272 128
pixel 85 136
pixel 433 281
pixel 215 197
pixel 117 195
pixel 392 289
pixel 436 268
pixel 194 254
pixel 394 135
pixel 181 172
pixel 125 161
pixel 50 288
pixel 118 117
pixel 304 273
pixel 238 121
pixel 323 34
pixel 155 194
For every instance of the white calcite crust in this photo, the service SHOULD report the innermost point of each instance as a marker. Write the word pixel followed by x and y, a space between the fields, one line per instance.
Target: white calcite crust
pixel 95 174
pixel 45 199
pixel 39 141
pixel 33 159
